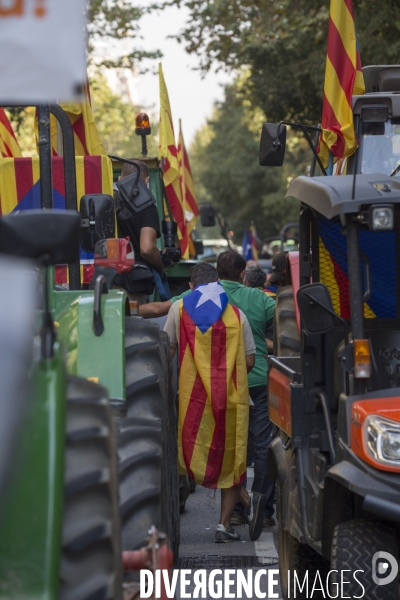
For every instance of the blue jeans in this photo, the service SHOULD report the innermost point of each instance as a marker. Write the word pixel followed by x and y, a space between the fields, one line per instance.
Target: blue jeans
pixel 261 428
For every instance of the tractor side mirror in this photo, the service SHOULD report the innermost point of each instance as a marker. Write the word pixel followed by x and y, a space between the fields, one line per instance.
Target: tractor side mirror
pixel 207 215
pixel 199 247
pixel 97 219
pixel 272 145
pixel 50 237
pixel 316 309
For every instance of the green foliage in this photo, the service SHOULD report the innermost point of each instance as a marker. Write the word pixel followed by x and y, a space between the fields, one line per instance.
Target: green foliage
pixel 118 20
pixel 224 160
pixel 115 121
pixel 283 45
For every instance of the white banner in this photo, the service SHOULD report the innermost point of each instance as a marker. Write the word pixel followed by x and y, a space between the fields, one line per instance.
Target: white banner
pixel 42 49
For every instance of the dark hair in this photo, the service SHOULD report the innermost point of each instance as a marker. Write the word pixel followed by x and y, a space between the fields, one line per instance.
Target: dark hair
pixel 127 169
pixel 255 276
pixel 203 272
pixel 230 264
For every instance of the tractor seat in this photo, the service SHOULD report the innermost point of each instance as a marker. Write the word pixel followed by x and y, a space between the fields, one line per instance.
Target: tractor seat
pixel 49 237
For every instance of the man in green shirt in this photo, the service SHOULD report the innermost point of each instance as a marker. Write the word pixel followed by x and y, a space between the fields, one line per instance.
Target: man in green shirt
pixel 259 310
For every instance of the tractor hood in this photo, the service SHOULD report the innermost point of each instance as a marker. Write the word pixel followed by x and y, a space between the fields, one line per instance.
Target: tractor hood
pixel 332 196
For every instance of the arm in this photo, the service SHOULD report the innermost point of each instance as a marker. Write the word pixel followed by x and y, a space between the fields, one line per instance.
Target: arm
pixel 249 343
pixel 154 309
pixel 148 248
pixel 250 360
pixel 270 343
pixel 171 328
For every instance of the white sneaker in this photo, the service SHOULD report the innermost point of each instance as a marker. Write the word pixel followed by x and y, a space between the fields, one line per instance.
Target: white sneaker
pixel 223 535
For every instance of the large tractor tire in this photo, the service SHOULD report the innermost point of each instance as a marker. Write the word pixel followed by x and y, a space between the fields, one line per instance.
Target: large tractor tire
pixel 91 547
pixel 299 558
pixel 286 333
pixel 147 440
pixel 171 472
pixel 354 544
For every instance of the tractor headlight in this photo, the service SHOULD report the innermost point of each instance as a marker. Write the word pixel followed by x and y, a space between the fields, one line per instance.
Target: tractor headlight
pixel 381 218
pixel 382 439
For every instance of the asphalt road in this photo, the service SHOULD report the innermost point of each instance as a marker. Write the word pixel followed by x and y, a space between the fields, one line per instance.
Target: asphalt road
pixel 199 551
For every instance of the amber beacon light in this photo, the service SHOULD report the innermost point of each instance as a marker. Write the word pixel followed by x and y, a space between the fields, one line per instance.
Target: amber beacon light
pixel 143 128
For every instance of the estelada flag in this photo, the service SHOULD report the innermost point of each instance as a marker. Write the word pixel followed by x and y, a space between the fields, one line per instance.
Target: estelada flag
pixel 343 79
pixel 249 244
pixel 168 151
pixel 86 136
pixel 187 185
pixel 333 265
pixel 213 390
pixel 20 190
pixel 9 146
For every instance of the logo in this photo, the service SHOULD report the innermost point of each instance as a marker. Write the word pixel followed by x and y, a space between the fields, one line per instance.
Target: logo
pixel 384 568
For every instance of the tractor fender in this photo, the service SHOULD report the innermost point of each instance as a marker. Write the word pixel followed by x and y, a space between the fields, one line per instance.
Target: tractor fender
pixel 94 356
pixel 282 467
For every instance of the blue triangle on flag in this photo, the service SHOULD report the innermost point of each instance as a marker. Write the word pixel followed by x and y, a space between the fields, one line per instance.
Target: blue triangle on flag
pixel 31 200
pixel 206 304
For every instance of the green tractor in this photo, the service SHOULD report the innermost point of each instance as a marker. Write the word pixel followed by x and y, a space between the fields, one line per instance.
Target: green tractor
pixel 59 505
pixel 129 359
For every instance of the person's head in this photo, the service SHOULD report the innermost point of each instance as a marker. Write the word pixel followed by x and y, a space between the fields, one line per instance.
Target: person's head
pixel 202 273
pixel 254 276
pixel 278 274
pixel 231 265
pixel 128 169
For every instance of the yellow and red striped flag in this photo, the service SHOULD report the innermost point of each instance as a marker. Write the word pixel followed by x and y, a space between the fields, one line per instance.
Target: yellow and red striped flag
pixel 213 389
pixel 86 137
pixel 168 151
pixel 343 79
pixel 20 190
pixel 187 185
pixel 9 147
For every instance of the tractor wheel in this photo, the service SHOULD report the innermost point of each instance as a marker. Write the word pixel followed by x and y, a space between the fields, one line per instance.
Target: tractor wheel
pixel 147 440
pixel 171 473
pixel 286 334
pixel 91 551
pixel 354 545
pixel 299 558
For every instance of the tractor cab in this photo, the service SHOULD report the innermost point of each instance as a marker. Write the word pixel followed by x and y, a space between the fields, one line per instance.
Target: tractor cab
pixel 178 271
pixel 376 117
pixel 335 397
pixel 377 122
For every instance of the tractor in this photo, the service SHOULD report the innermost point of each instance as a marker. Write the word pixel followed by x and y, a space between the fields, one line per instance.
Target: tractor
pixel 103 344
pixel 59 492
pixel 334 387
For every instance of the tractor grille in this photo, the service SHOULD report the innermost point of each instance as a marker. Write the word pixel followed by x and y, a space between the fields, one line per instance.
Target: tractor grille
pixel 380 249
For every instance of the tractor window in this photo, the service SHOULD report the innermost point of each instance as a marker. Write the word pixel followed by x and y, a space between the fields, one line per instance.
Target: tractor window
pixel 380 147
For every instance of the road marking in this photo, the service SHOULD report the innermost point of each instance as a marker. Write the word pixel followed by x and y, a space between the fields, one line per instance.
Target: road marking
pixel 265 546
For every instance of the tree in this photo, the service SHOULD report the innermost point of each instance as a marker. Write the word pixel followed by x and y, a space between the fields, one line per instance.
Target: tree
pixel 224 159
pixel 283 44
pixel 115 121
pixel 118 20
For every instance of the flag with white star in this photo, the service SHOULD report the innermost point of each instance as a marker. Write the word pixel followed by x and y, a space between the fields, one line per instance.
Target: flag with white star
pixel 213 391
pixel 206 304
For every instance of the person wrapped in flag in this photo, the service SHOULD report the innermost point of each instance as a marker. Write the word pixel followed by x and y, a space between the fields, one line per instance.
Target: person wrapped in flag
pixel 216 350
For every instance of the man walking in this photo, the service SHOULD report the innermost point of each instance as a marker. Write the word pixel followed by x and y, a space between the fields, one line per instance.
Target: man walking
pixel 216 349
pixel 259 310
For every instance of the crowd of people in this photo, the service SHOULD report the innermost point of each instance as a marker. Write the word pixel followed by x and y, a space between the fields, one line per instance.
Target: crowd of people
pixel 221 330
